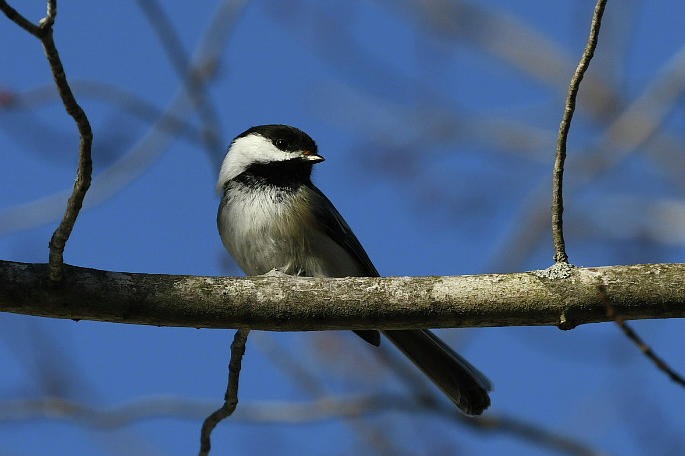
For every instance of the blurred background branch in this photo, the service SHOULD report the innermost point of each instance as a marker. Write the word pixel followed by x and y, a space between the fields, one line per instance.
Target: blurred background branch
pixel 160 135
pixel 352 408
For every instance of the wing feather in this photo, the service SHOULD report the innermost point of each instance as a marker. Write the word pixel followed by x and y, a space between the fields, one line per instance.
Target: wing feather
pixel 337 229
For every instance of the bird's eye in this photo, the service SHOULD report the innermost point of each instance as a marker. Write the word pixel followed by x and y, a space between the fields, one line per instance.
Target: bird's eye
pixel 281 143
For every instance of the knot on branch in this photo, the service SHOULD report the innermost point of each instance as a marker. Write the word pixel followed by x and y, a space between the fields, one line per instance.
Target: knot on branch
pixel 555 272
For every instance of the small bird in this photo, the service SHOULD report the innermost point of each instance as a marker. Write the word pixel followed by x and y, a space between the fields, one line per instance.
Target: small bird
pixel 271 216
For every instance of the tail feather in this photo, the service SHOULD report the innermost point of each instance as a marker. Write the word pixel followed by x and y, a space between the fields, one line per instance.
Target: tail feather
pixel 465 385
pixel 370 335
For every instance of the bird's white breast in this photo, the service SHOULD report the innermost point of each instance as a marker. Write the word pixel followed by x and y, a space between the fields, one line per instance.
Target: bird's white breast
pixel 270 227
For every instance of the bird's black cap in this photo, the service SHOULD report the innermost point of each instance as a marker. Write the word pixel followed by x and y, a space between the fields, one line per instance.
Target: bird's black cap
pixel 284 137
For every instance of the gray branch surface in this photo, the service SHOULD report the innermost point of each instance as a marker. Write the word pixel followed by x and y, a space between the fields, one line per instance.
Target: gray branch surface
pixel 562 296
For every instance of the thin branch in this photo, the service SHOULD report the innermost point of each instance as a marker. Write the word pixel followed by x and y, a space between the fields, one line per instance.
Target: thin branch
pixel 118 98
pixel 631 125
pixel 629 130
pixel 558 173
pixel 283 412
pixel 632 335
pixel 85 165
pixel 564 298
pixel 20 20
pixel 192 78
pixel 492 423
pixel 529 432
pixel 50 14
pixel 231 396
pixel 376 439
pixel 509 39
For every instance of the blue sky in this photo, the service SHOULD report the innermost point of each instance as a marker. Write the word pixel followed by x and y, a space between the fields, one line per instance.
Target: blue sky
pixel 415 114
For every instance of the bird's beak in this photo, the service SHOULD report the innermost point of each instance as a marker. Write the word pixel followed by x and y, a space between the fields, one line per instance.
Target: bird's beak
pixel 311 157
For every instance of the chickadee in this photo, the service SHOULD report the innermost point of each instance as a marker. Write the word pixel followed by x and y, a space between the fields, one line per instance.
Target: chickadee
pixel 272 216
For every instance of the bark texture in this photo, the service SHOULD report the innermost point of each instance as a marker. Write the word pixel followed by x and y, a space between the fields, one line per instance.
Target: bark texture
pixel 561 295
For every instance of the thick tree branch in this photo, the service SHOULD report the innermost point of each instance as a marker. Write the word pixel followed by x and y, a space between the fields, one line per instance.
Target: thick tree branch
pixel 565 298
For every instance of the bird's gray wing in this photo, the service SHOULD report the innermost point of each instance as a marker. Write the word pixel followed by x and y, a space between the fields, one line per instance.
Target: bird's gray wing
pixel 339 231
pixel 465 385
pixel 335 227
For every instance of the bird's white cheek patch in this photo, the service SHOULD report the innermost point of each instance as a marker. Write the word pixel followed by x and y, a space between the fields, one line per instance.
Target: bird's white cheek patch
pixel 247 151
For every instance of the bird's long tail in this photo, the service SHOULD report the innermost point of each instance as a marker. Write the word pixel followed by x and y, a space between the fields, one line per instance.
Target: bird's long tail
pixel 465 385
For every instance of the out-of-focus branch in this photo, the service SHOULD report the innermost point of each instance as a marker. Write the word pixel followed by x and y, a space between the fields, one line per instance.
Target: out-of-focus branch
pixel 231 396
pixel 529 432
pixel 275 303
pixel 448 127
pixel 656 220
pixel 283 412
pixel 631 126
pixel 632 335
pixel 194 82
pixel 85 164
pixel 121 173
pixel 292 366
pixel 510 40
pixel 426 397
pixel 107 183
pixel 560 255
pixel 52 379
pixel 117 97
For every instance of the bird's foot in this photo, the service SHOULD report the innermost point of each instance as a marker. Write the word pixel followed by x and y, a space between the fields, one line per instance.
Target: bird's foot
pixel 275 272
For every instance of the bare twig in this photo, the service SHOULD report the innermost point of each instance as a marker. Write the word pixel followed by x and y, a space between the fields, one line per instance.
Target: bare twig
pixel 231 396
pixel 558 173
pixel 20 20
pixel 629 130
pixel 85 164
pixel 50 14
pixel 632 335
pixel 631 125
